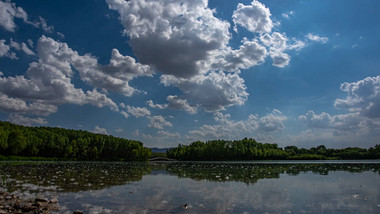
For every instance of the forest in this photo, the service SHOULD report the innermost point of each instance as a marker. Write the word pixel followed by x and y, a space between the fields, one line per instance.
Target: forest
pixel 249 149
pixel 51 142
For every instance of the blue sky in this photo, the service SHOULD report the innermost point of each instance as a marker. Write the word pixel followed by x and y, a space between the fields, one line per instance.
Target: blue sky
pixel 299 73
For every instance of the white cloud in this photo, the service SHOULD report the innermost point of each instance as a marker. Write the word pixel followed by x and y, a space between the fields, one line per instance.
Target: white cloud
pixel 5 50
pixel 296 45
pixel 30 42
pixel 177 38
pixel 8 12
pixel 316 121
pixel 212 92
pixel 168 135
pixel 317 38
pixel 287 15
pixel 15 105
pixel 249 54
pixel 277 44
pixel 363 101
pixel 100 100
pixel 276 41
pixel 280 59
pixel 138 111
pixel 254 17
pixel 27 50
pixel 114 77
pixel 347 124
pixel 122 105
pixel 180 104
pixel 362 96
pixel 41 23
pixel 158 106
pixel 125 114
pixel 119 130
pixel 98 130
pixel 189 46
pixel 175 103
pixel 14 44
pixel 61 35
pixel 159 122
pixel 48 81
pixel 26 121
pixel 272 122
pixel 229 129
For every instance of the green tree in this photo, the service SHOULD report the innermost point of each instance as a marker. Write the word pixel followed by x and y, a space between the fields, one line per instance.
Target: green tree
pixel 3 140
pixel 16 142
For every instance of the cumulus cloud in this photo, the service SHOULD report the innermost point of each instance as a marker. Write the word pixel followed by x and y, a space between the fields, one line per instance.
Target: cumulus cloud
pixel 27 50
pixel 351 123
pixel 158 106
pixel 176 103
pixel 26 121
pixel 212 92
pixel 15 105
pixel 47 83
pixel 362 96
pixel 177 38
pixel 5 50
pixel 138 111
pixel 296 45
pixel 249 54
pixel 280 59
pixel 229 129
pixel 272 122
pixel 114 77
pixel 363 101
pixel 98 130
pixel 159 122
pixel 317 38
pixel 189 46
pixel 125 114
pixel 100 100
pixel 41 23
pixel 180 104
pixel 9 11
pixel 254 17
pixel 277 44
pixel 164 134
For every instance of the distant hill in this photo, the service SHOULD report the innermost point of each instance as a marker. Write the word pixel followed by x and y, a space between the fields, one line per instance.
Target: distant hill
pixel 159 150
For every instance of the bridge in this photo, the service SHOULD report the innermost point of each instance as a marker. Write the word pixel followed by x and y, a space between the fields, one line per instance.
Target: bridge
pixel 161 159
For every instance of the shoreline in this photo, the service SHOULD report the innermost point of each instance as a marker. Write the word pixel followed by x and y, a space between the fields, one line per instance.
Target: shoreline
pixel 11 203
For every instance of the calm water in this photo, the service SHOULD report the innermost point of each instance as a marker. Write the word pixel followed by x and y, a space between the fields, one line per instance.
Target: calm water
pixel 212 187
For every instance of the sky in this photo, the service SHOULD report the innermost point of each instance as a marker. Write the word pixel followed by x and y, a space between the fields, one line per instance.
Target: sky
pixel 164 72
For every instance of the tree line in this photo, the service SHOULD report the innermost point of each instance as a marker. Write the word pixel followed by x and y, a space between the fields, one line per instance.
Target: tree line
pixel 65 143
pixel 249 149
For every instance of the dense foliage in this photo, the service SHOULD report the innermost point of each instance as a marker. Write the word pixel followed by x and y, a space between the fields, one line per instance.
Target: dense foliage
pixel 65 143
pixel 249 149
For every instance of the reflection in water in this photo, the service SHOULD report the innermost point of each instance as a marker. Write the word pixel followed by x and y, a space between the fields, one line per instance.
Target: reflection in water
pixel 71 176
pixel 250 173
pixel 213 187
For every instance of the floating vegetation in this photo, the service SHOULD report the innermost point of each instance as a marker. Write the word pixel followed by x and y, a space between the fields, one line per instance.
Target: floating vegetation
pixel 71 176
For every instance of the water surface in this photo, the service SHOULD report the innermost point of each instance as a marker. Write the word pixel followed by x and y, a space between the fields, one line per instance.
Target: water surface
pixel 201 187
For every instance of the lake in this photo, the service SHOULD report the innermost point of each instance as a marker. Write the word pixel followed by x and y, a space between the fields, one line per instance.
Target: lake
pixel 201 187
